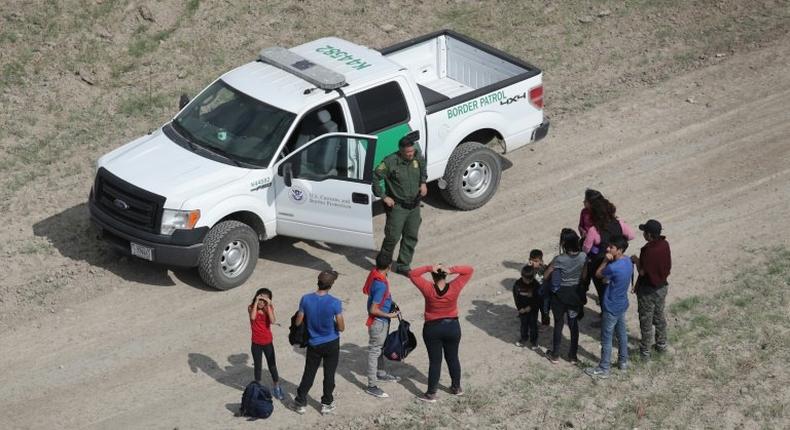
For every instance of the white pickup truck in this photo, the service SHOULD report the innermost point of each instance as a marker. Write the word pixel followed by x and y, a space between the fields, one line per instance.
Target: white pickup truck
pixel 286 145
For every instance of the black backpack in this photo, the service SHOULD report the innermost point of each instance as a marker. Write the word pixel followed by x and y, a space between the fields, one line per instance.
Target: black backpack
pixel 400 342
pixel 256 401
pixel 297 334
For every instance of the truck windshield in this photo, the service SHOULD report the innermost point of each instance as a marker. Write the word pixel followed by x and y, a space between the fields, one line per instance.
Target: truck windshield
pixel 234 124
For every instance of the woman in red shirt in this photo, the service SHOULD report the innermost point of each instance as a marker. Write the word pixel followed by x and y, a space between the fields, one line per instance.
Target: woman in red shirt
pixel 261 312
pixel 441 331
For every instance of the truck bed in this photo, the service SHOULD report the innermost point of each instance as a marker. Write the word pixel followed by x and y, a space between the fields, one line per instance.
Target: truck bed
pixel 447 65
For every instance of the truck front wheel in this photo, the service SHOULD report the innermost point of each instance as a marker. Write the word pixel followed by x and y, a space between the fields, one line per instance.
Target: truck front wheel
pixel 472 176
pixel 229 255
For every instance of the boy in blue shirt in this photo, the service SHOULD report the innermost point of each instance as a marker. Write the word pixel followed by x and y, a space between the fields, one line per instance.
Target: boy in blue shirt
pixel 618 270
pixel 380 308
pixel 323 314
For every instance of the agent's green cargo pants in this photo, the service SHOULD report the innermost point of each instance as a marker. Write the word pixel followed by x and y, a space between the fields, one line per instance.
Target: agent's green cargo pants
pixel 402 225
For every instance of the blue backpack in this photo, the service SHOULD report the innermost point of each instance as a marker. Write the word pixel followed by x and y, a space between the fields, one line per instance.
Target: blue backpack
pixel 400 342
pixel 256 401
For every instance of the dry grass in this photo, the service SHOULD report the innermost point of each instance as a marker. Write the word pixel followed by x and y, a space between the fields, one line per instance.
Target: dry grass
pixel 731 365
pixel 123 72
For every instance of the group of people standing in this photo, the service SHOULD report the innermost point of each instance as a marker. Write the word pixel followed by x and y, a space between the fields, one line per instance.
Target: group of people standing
pixel 400 180
pixel 596 254
pixel 322 315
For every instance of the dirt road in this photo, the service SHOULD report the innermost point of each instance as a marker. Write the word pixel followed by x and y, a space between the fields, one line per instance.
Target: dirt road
pixel 707 153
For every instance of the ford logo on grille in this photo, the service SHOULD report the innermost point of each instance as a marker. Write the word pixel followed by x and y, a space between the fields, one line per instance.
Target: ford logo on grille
pixel 120 204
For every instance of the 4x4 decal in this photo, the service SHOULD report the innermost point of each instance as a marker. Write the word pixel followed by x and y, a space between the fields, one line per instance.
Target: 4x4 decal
pixel 513 99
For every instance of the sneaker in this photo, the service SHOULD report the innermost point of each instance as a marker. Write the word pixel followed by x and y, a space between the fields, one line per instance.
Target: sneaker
pixel 388 378
pixel 300 409
pixel 376 392
pixel 457 391
pixel 328 409
pixel 521 344
pixel 277 392
pixel 534 347
pixel 429 398
pixel 662 348
pixel 623 366
pixel 554 358
pixel 644 355
pixel 573 360
pixel 597 372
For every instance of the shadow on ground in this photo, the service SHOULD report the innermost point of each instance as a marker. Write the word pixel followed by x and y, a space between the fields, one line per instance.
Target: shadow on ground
pixel 354 367
pixel 237 374
pixel 501 322
pixel 73 235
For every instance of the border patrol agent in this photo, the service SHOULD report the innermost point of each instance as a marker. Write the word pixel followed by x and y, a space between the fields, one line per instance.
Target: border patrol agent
pixel 403 176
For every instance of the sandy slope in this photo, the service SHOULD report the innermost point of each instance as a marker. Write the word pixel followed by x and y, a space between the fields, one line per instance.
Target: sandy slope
pixel 716 172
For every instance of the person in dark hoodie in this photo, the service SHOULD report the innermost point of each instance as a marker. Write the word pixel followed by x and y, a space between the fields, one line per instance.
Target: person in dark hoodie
pixel 654 264
pixel 564 276
pixel 528 303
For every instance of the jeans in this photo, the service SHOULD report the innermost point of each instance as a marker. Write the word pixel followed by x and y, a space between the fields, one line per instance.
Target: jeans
pixel 529 326
pixel 378 334
pixel 650 302
pixel 329 353
pixel 561 310
pixel 442 336
pixel 268 351
pixel 613 324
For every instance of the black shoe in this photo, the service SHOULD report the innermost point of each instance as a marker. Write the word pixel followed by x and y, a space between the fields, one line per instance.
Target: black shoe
pixel 403 270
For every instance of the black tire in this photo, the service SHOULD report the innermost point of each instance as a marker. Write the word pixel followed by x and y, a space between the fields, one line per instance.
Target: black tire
pixel 223 247
pixel 471 158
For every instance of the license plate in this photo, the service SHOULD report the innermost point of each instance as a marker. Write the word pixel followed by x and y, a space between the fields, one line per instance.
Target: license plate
pixel 143 252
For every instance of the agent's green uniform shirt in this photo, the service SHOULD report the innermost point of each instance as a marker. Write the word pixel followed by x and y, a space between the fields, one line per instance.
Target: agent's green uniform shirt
pixel 399 178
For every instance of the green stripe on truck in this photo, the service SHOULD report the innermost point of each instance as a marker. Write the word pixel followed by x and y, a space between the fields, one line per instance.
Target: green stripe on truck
pixel 387 141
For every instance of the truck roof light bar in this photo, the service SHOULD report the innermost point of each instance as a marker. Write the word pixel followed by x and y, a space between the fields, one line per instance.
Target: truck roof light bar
pixel 297 65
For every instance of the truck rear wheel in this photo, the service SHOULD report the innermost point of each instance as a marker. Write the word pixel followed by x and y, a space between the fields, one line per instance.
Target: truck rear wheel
pixel 472 176
pixel 229 255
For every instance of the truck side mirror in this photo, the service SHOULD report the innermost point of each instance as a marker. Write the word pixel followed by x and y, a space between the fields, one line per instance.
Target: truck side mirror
pixel 288 174
pixel 183 101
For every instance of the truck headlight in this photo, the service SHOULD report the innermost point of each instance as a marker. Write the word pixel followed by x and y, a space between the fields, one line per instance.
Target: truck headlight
pixel 173 219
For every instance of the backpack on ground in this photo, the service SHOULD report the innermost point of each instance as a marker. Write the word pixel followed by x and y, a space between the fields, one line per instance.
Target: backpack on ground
pixel 297 334
pixel 400 342
pixel 256 401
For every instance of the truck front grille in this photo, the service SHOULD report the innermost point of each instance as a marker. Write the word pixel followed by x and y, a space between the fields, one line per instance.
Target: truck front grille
pixel 127 203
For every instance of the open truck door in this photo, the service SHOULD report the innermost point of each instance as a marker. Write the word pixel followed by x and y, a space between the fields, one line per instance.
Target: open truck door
pixel 323 190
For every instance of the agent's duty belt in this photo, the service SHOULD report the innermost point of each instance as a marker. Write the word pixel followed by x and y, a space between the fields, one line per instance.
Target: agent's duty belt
pixel 409 205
